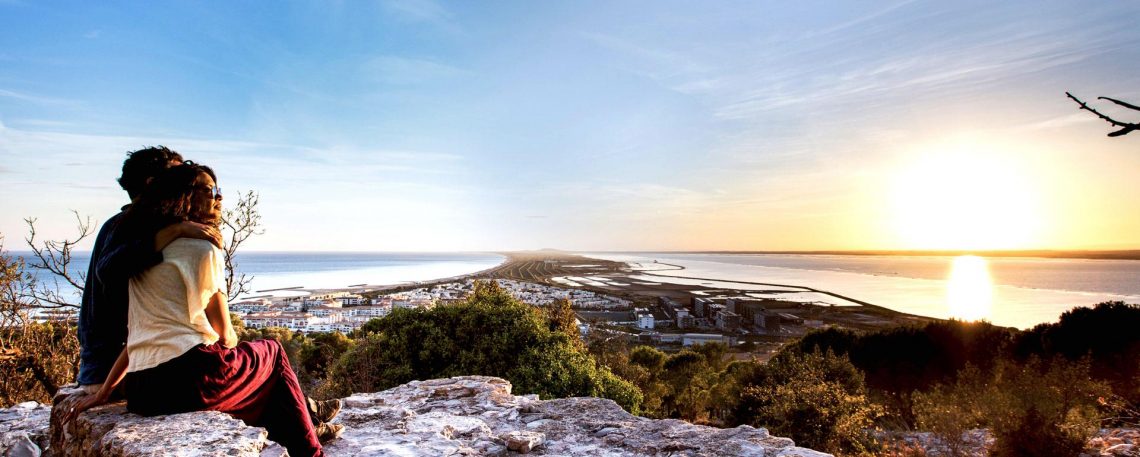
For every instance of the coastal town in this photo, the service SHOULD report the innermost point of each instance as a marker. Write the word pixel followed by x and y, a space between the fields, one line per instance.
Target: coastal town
pixel 604 296
pixel 345 311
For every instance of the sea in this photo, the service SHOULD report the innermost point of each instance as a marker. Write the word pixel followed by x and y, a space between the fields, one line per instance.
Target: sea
pixel 281 273
pixel 1017 292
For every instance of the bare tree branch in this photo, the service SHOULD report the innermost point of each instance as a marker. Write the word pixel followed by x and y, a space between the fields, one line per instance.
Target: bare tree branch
pixel 55 256
pixel 239 223
pixel 1125 127
pixel 1118 102
pixel 35 354
pixel 14 305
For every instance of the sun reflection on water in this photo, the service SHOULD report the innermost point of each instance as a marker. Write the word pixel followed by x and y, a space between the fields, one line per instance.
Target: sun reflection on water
pixel 969 290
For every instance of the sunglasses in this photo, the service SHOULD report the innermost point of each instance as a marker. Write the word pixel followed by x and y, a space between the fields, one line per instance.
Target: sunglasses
pixel 215 191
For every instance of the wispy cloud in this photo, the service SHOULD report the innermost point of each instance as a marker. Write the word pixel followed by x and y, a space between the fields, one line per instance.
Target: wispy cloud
pixel 40 100
pixel 862 20
pixel 407 71
pixel 627 201
pixel 30 149
pixel 885 81
pixel 653 61
pixel 82 167
pixel 422 11
pixel 40 123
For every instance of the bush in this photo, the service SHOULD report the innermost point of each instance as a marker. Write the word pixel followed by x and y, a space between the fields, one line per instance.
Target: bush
pixel 908 358
pixel 818 399
pixel 1106 333
pixel 35 360
pixel 1044 408
pixel 319 354
pixel 1035 408
pixel 489 334
pixel 949 411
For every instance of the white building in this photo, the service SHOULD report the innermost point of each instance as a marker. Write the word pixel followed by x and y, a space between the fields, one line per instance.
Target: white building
pixel 690 339
pixel 351 300
pixel 369 312
pixel 645 320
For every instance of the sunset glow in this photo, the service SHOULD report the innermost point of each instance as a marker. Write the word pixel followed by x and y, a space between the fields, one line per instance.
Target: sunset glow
pixel 966 197
pixel 969 290
pixel 454 126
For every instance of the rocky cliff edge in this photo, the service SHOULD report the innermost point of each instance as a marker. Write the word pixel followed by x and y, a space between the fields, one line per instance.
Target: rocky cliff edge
pixel 462 416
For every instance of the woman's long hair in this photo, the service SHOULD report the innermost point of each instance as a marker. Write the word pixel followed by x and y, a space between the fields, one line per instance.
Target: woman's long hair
pixel 169 198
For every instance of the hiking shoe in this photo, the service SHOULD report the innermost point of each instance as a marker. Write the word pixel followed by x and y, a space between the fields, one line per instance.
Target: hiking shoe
pixel 327 432
pixel 323 410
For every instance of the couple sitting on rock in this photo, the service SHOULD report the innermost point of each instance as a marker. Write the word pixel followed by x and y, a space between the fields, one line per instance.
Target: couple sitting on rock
pixel 154 317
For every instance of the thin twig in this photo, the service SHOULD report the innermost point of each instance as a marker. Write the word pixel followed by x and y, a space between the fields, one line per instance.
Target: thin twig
pixel 241 222
pixel 1125 127
pixel 1118 102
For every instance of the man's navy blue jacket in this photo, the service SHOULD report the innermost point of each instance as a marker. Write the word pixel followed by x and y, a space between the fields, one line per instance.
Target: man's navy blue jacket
pixel 115 257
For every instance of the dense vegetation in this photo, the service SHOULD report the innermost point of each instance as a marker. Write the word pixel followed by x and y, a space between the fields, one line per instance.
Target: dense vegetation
pixel 1040 391
pixel 492 334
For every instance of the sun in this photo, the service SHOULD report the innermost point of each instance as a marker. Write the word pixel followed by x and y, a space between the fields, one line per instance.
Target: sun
pixel 969 289
pixel 965 198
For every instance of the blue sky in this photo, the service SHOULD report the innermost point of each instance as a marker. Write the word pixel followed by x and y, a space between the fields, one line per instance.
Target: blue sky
pixel 421 125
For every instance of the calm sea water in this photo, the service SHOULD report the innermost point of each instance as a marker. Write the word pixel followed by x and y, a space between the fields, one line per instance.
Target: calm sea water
pixel 1026 291
pixel 327 270
pixel 339 270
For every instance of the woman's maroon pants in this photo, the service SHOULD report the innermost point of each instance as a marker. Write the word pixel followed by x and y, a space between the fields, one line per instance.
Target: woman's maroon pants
pixel 253 382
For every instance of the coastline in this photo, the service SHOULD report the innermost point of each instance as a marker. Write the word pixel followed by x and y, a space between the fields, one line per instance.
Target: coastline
pixel 894 283
pixel 898 296
pixel 308 272
pixel 1086 254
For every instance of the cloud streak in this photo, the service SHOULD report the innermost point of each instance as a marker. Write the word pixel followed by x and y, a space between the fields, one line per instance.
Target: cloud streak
pixel 40 100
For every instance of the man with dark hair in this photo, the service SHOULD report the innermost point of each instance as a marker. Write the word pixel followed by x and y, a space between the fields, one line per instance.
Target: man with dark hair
pixel 103 312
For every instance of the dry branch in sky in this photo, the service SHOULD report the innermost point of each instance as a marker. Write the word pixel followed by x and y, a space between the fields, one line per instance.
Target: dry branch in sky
pixel 1125 127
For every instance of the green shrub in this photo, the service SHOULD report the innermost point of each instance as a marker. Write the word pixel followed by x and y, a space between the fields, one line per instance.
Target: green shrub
pixel 949 410
pixel 1035 408
pixel 1106 334
pixel 35 360
pixel 1044 408
pixel 489 334
pixel 818 399
pixel 318 355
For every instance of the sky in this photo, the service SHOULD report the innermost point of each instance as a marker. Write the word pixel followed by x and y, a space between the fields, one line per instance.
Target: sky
pixel 416 125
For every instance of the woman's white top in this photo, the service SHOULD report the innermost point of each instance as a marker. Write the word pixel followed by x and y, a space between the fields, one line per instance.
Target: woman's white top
pixel 166 315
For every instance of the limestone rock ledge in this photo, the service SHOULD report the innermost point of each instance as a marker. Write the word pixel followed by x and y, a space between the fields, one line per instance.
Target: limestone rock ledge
pixel 476 415
pixel 111 431
pixel 24 429
pixel 462 416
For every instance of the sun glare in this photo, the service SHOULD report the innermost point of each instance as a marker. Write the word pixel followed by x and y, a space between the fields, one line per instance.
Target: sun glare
pixel 965 198
pixel 969 290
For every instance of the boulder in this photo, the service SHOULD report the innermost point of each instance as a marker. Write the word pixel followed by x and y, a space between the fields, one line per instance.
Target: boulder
pixel 109 430
pixel 477 415
pixel 24 429
pixel 462 416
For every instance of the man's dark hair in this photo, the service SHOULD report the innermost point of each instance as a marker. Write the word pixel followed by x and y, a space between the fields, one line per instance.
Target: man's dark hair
pixel 144 164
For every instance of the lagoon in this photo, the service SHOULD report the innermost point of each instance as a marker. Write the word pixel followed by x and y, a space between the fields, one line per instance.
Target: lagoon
pixel 1025 291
